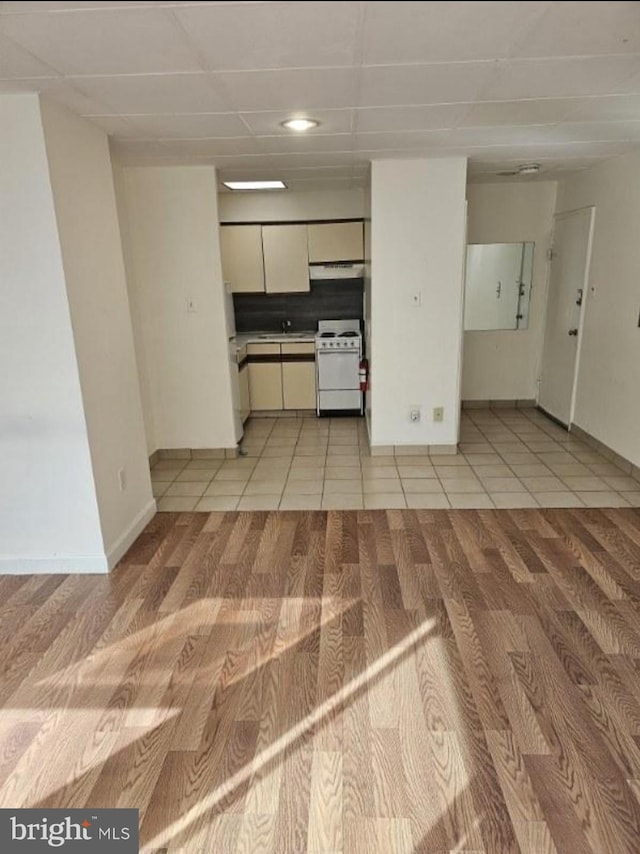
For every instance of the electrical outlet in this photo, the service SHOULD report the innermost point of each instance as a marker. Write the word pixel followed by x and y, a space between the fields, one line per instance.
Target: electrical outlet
pixel 438 413
pixel 122 480
pixel 414 414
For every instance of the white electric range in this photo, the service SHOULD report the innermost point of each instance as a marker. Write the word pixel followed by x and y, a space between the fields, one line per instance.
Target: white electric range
pixel 338 354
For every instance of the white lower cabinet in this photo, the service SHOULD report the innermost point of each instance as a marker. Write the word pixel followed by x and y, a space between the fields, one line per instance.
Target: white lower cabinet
pixel 280 377
pixel 245 398
pixel 299 385
pixel 265 385
pixel 299 375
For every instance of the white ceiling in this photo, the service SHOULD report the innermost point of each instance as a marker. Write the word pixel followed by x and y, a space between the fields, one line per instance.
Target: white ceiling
pixel 501 82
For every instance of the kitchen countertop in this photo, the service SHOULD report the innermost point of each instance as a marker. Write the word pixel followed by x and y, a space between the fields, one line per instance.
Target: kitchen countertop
pixel 273 337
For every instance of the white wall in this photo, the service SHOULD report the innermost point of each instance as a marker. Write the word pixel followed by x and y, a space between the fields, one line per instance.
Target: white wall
pixel 505 364
pixel 278 205
pixel 49 517
pixel 173 254
pixel 608 398
pixel 84 200
pixel 368 344
pixel 417 247
pixel 134 309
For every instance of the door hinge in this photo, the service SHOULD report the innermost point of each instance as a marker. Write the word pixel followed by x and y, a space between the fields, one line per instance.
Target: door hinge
pixel 550 254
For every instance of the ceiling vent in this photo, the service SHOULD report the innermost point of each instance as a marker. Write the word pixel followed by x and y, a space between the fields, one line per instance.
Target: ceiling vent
pixel 525 169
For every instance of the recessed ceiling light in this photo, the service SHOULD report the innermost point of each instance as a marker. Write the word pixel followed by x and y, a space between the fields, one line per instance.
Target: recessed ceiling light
pixel 255 185
pixel 300 124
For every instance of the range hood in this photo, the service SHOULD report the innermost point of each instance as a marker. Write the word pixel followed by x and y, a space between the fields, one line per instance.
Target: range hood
pixel 337 270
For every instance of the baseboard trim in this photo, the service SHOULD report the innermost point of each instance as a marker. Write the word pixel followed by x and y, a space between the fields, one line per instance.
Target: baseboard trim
pixel 59 565
pixel 525 403
pixel 283 413
pixel 195 454
pixel 622 462
pixel 552 418
pixel 126 540
pixel 411 450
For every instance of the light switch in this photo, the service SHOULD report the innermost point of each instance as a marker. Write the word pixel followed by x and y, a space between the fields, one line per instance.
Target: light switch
pixel 416 299
pixel 191 305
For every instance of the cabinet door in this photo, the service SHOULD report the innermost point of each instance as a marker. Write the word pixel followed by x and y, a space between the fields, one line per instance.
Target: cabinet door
pixel 335 241
pixel 299 385
pixel 245 400
pixel 265 385
pixel 242 262
pixel 286 258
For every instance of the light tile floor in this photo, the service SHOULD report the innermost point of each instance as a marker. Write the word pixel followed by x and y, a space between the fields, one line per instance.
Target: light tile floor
pixel 507 458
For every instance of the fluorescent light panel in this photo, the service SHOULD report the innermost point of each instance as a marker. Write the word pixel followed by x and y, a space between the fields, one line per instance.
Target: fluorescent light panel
pixel 255 185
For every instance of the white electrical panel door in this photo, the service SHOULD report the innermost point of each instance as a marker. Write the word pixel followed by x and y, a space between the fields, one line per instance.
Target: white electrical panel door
pixel 493 282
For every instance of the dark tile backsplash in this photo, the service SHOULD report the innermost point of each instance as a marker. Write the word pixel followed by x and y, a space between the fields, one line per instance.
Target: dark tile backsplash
pixel 336 299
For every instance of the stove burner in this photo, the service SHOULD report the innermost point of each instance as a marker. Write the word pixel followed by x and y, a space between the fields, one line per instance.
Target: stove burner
pixel 327 335
pixel 348 335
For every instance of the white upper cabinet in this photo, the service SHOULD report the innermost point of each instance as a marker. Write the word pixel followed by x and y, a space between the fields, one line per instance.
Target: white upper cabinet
pixel 286 258
pixel 335 241
pixel 242 261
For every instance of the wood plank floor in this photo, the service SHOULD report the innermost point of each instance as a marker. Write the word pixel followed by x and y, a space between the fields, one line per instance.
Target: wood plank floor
pixel 370 681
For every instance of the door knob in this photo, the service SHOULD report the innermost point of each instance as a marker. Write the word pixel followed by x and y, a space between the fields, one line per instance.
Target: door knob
pixel 573 332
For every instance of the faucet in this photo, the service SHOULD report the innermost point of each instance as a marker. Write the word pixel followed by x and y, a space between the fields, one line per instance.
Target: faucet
pixel 285 326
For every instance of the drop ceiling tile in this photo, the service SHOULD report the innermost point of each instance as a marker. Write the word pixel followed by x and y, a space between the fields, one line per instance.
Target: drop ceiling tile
pixel 525 112
pixel 59 90
pixel 22 6
pixel 203 125
pixel 272 35
pixel 437 83
pixel 605 108
pixel 154 93
pixel 572 131
pixel 115 126
pixel 540 78
pixel 632 84
pixel 416 140
pixel 478 166
pixel 393 119
pixel 502 135
pixel 110 41
pixel 266 123
pixel 265 165
pixel 316 174
pixel 416 32
pixel 581 29
pixel 17 62
pixel 293 90
pixel 316 142
pixel 327 183
pixel 324 158
pixel 211 147
pixel 274 162
pixel 524 153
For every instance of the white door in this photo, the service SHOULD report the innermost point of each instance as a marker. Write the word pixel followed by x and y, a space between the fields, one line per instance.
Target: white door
pixel 565 307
